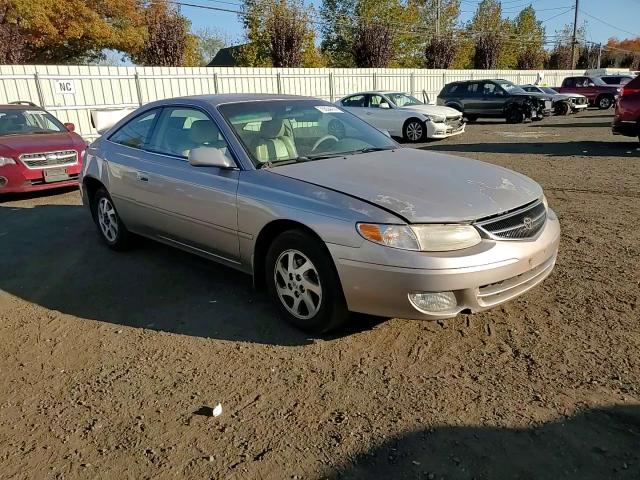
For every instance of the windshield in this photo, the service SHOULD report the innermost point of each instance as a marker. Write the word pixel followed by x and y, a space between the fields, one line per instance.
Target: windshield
pixel 598 81
pixel 25 122
pixel 548 90
pixel 510 86
pixel 284 131
pixel 403 99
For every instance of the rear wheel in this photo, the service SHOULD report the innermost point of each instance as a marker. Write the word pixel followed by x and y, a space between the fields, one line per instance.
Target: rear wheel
pixel 414 130
pixel 304 284
pixel 604 102
pixel 110 226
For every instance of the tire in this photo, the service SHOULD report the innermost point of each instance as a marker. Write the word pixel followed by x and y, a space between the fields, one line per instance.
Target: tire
pixel 414 130
pixel 604 102
pixel 471 118
pixel 563 108
pixel 110 227
pixel 515 115
pixel 309 298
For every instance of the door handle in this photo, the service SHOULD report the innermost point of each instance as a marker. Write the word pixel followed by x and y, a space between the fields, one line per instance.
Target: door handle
pixel 142 177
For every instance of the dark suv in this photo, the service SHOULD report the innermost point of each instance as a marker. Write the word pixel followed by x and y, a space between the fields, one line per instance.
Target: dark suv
pixel 495 98
pixel 627 119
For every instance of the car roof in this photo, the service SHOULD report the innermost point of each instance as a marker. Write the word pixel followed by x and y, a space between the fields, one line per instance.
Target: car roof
pixel 370 92
pixel 20 107
pixel 219 99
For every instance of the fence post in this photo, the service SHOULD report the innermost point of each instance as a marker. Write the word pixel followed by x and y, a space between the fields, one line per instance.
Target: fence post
pixel 519 79
pixel 412 82
pixel 375 81
pixel 279 82
pixel 471 75
pixel 331 98
pixel 216 88
pixel 444 79
pixel 138 88
pixel 36 76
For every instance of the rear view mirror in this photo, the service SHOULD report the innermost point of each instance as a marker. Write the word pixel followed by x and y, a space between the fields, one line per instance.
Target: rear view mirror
pixel 70 127
pixel 209 157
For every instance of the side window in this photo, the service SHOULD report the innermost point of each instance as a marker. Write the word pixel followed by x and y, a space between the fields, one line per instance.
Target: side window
pixel 472 88
pixel 581 81
pixel 136 132
pixel 488 89
pixel 453 88
pixel 354 101
pixel 569 82
pixel 376 100
pixel 181 129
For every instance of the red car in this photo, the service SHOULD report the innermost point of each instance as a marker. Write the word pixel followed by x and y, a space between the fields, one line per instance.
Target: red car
pixel 598 93
pixel 37 151
pixel 627 119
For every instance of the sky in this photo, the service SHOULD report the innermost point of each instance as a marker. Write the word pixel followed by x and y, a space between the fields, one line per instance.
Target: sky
pixel 621 16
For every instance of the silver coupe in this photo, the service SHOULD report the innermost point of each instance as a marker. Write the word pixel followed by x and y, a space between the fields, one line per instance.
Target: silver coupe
pixel 325 211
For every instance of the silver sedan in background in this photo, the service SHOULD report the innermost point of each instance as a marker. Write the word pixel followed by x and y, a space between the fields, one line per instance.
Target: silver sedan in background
pixel 324 210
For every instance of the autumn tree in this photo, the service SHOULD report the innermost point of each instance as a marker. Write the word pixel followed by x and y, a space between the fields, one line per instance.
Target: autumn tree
pixel 529 35
pixel 442 44
pixel 70 31
pixel 487 29
pixel 278 33
pixel 560 55
pixel 372 45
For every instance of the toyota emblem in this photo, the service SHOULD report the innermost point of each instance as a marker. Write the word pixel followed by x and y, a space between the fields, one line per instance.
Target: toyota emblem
pixel 528 223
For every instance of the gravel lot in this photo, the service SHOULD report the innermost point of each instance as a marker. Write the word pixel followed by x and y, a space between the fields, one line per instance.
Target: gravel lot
pixel 111 362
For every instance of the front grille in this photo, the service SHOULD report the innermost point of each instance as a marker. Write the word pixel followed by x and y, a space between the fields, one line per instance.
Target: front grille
pixel 520 224
pixel 579 101
pixel 498 292
pixel 50 159
pixel 548 104
pixel 454 122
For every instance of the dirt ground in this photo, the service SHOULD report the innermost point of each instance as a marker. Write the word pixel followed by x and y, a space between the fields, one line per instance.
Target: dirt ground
pixel 110 363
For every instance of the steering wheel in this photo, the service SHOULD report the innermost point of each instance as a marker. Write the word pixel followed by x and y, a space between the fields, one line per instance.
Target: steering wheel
pixel 324 139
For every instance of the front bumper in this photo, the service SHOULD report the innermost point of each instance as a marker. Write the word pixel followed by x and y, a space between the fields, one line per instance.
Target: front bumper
pixel 442 130
pixel 19 179
pixel 481 277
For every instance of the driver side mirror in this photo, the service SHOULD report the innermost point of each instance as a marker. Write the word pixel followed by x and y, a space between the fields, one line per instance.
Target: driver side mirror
pixel 209 157
pixel 70 127
pixel 384 106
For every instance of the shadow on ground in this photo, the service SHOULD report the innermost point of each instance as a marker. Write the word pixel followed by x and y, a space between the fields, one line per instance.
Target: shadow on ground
pixel 52 256
pixel 580 148
pixel 596 444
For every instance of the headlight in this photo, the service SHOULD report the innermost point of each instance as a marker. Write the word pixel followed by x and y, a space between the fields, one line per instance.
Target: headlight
pixel 6 161
pixel 397 236
pixel 544 202
pixel 436 119
pixel 426 238
pixel 442 238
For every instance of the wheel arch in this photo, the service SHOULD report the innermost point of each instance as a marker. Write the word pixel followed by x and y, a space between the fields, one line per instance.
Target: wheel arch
pixel 455 105
pixel 265 238
pixel 91 186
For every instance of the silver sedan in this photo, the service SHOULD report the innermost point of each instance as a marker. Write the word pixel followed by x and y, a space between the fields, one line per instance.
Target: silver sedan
pixel 325 211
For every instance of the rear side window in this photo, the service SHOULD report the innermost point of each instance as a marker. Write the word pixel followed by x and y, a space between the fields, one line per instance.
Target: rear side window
pixel 569 82
pixel 452 88
pixel 472 88
pixel 354 101
pixel 136 132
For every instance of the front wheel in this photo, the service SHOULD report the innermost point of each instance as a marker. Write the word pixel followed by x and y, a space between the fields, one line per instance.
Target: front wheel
pixel 304 284
pixel 605 102
pixel 110 226
pixel 414 130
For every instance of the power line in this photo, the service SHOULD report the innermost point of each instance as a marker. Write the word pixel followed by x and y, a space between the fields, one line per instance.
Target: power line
pixel 610 24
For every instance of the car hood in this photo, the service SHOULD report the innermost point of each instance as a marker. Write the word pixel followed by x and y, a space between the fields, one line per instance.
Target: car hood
pixel 433 110
pixel 419 186
pixel 573 95
pixel 46 142
pixel 542 96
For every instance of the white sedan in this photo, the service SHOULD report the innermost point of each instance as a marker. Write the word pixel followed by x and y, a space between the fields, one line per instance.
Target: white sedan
pixel 403 115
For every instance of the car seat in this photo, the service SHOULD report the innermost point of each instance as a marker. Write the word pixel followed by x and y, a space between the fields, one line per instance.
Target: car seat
pixel 276 141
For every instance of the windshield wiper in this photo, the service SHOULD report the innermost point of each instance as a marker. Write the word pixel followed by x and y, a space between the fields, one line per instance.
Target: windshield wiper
pixel 367 150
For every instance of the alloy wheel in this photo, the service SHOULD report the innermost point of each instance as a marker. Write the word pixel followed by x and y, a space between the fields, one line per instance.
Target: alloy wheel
pixel 414 131
pixel 107 220
pixel 298 284
pixel 605 102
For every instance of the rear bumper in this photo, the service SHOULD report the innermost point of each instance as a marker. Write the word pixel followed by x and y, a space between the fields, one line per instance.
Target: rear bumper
pixel 498 272
pixel 627 128
pixel 19 179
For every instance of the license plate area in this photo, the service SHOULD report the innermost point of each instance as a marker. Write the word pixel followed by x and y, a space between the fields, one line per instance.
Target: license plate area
pixel 55 175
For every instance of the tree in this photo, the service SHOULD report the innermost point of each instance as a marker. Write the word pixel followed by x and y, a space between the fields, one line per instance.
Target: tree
pixel 209 42
pixel 278 33
pixel 560 56
pixel 372 44
pixel 441 49
pixel 70 31
pixel 622 53
pixel 529 33
pixel 487 29
pixel 167 36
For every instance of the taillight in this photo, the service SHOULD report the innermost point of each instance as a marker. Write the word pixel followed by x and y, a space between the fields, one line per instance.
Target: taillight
pixel 629 91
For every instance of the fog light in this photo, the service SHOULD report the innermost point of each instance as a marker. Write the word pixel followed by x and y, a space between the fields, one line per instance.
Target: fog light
pixel 434 302
pixel 3 181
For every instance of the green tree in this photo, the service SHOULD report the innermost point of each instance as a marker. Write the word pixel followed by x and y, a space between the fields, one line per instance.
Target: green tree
pixel 529 34
pixel 560 56
pixel 209 42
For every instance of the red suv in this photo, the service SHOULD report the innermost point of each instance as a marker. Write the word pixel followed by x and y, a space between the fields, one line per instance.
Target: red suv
pixel 627 119
pixel 37 151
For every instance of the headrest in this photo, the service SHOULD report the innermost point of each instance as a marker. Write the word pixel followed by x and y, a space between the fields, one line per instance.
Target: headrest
pixel 272 128
pixel 203 131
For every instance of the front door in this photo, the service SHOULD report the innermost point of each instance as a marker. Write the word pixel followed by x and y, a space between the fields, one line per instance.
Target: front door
pixel 192 207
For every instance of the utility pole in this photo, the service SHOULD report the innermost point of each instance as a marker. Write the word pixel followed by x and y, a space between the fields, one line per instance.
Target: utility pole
pixel 599 54
pixel 573 38
pixel 438 18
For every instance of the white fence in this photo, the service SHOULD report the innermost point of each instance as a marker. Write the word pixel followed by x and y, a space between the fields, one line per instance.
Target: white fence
pixel 70 92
